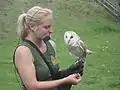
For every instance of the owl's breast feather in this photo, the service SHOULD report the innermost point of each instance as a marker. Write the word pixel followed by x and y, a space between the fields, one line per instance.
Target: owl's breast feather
pixel 76 50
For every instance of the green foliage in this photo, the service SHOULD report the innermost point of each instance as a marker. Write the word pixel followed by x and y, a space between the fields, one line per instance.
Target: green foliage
pixel 95 26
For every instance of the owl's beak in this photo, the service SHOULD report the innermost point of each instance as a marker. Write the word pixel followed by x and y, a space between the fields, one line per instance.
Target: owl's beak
pixel 68 42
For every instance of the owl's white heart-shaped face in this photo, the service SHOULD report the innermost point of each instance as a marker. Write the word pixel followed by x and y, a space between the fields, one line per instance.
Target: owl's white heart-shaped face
pixel 70 37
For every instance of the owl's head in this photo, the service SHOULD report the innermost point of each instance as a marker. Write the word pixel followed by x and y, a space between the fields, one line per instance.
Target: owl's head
pixel 70 37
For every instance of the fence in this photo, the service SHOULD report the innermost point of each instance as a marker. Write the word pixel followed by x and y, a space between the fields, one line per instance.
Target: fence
pixel 112 10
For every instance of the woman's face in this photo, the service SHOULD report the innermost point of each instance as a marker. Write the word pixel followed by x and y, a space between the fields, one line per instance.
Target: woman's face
pixel 44 29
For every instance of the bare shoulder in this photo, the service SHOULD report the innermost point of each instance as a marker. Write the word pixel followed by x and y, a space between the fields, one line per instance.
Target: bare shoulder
pixel 22 49
pixel 23 53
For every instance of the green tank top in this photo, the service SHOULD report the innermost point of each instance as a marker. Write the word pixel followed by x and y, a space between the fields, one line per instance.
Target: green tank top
pixel 42 69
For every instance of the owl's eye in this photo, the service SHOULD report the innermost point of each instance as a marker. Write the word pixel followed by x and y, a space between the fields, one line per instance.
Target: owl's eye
pixel 66 36
pixel 71 37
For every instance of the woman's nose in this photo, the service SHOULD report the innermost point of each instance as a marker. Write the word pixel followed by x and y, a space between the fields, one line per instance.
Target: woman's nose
pixel 51 30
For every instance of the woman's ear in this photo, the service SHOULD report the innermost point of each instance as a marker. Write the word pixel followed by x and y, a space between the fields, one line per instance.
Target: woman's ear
pixel 32 26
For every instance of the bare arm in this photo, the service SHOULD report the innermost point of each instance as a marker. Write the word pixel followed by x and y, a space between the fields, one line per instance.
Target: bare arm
pixel 24 63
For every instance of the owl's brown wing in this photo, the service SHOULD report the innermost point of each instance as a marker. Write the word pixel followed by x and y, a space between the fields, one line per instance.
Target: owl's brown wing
pixel 83 47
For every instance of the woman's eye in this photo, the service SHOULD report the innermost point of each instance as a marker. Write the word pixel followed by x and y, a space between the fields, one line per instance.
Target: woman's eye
pixel 47 26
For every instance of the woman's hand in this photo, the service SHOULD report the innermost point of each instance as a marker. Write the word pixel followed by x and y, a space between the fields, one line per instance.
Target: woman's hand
pixel 73 79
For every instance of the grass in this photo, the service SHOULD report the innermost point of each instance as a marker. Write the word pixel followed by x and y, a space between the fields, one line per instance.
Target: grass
pixel 95 26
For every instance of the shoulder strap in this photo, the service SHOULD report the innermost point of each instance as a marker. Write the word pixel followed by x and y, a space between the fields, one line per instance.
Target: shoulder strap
pixel 33 45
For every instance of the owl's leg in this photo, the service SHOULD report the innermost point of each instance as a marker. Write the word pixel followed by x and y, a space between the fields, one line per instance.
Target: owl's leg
pixel 77 59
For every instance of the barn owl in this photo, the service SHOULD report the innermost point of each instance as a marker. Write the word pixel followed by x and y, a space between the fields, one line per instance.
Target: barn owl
pixel 75 45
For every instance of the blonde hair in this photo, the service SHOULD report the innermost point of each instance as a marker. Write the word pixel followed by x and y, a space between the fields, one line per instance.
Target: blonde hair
pixel 34 15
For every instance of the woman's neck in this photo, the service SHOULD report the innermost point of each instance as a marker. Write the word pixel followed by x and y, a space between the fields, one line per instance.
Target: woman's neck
pixel 37 41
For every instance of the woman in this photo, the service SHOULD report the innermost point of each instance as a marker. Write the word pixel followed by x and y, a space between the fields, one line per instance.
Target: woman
pixel 29 57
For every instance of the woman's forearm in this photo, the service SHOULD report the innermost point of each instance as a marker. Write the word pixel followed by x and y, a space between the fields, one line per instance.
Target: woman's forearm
pixel 40 85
